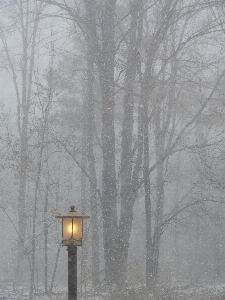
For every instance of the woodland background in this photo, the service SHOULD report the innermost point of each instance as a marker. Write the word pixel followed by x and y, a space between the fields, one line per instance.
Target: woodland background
pixel 117 107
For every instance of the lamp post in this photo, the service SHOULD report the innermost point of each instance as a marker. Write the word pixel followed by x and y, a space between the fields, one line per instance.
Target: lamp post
pixel 72 232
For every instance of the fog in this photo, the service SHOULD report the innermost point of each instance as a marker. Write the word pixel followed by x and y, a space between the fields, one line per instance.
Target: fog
pixel 116 107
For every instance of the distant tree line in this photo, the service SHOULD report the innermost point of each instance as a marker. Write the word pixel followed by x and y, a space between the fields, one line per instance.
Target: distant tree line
pixel 117 103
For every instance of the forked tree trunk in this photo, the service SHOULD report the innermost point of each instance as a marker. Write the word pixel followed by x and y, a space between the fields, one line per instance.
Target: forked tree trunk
pixel 129 188
pixel 105 60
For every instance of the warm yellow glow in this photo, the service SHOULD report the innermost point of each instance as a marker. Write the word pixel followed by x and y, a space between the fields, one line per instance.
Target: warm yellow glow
pixel 71 228
pixel 72 231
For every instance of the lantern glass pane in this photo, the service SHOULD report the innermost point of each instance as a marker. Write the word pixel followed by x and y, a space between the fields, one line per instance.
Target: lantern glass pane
pixel 72 229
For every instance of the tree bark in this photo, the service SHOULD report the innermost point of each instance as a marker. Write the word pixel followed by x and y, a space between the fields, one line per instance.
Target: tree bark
pixel 91 163
pixel 23 115
pixel 128 191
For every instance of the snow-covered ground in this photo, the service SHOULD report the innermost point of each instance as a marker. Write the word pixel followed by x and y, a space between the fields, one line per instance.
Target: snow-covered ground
pixel 22 293
pixel 195 292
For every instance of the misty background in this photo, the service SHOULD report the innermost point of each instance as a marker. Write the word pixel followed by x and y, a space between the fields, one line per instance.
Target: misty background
pixel 117 107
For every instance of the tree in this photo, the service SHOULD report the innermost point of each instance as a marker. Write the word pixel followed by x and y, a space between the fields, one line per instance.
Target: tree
pixel 28 24
pixel 132 42
pixel 124 114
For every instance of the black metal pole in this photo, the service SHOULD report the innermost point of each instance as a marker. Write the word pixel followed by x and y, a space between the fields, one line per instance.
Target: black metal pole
pixel 72 272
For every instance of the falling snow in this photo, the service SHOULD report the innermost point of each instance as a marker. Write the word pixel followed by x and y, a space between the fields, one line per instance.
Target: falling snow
pixel 115 107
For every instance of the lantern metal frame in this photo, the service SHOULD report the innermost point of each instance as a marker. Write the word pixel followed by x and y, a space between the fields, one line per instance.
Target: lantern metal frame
pixel 72 214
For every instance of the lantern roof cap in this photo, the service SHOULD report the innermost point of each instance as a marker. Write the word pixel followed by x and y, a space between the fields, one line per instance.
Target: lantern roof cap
pixel 72 214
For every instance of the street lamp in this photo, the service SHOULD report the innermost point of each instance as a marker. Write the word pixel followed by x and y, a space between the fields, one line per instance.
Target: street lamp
pixel 72 233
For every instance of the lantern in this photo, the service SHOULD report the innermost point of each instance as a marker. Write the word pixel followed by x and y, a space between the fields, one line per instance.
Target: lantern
pixel 72 227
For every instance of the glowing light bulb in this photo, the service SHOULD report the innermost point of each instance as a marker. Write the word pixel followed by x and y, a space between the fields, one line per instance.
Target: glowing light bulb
pixel 71 228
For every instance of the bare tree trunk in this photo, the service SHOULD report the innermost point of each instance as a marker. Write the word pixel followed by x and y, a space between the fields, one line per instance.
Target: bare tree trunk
pixel 128 184
pixel 148 206
pixel 85 197
pixel 34 219
pixel 84 190
pixel 46 238
pixel 91 165
pixel 55 268
pixel 109 188
pixel 23 115
pixel 33 242
pixel 21 207
pixel 104 58
pixel 38 178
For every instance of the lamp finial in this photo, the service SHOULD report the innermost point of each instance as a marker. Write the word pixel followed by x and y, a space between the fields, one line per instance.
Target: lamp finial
pixel 72 207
